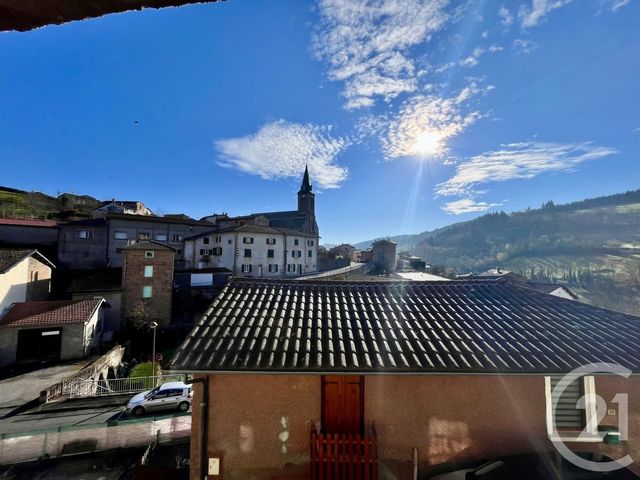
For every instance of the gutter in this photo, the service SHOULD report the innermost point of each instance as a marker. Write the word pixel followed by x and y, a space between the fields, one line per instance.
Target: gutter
pixel 204 421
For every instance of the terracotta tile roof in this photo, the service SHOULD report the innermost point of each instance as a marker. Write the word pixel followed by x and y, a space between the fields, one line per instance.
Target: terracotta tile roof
pixel 28 223
pixel 51 313
pixel 9 257
pixel 477 326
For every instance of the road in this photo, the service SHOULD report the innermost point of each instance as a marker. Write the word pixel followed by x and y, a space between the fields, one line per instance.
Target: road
pixel 70 413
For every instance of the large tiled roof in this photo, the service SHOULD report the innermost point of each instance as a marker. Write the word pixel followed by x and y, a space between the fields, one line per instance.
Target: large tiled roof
pixel 51 313
pixel 477 326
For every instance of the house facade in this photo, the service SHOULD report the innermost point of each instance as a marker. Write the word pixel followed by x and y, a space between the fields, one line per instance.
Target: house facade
pixel 125 207
pixel 51 330
pixel 447 372
pixel 25 275
pixel 99 242
pixel 147 282
pixel 264 245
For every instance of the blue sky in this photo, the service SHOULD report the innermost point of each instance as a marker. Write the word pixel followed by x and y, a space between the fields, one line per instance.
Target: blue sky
pixel 411 114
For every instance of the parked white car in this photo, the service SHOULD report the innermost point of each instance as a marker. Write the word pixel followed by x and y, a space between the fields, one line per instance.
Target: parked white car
pixel 168 396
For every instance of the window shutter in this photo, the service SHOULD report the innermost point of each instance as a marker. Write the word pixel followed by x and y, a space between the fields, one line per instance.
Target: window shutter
pixel 568 416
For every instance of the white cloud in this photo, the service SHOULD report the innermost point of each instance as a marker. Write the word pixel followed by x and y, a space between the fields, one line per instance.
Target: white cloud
pixel 618 4
pixel 281 149
pixel 496 48
pixel 519 160
pixel 468 205
pixel 427 114
pixel 505 15
pixel 366 44
pixel 534 15
pixel 473 59
pixel 522 46
pixel 637 130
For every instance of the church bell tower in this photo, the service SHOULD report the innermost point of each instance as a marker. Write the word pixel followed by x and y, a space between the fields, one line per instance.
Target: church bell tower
pixel 306 202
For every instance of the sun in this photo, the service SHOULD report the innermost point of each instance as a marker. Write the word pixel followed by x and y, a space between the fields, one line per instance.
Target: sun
pixel 428 143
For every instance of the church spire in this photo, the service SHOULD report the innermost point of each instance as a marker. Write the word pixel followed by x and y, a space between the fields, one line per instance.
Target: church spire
pixel 306 184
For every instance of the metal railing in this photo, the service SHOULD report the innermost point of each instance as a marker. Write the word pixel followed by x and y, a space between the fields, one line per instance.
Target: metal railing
pixel 82 388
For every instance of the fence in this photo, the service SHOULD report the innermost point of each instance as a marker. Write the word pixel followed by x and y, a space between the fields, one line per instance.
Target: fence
pixel 37 444
pixel 341 456
pixel 81 388
pixel 91 371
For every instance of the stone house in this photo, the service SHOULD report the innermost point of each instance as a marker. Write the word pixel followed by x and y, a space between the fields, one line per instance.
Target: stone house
pixel 50 331
pixel 147 282
pixel 345 251
pixel 25 275
pixel 125 207
pixel 452 371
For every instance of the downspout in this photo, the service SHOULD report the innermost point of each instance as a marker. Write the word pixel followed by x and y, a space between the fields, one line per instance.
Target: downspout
pixel 204 422
pixel 284 256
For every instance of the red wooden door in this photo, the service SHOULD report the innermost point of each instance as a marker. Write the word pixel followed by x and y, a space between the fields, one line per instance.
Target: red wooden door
pixel 342 404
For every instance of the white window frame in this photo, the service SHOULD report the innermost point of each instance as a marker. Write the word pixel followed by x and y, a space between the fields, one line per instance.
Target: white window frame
pixel 291 268
pixel 246 268
pixel 271 241
pixel 148 271
pixel 145 289
pixel 177 237
pixel 218 238
pixel 85 234
pixel 273 268
pixel 590 433
pixel 149 254
pixel 247 240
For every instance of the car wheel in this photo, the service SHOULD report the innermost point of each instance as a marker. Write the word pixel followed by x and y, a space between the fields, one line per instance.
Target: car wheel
pixel 137 411
pixel 184 406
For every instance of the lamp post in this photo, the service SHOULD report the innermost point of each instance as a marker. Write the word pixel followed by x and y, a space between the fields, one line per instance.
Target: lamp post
pixel 153 326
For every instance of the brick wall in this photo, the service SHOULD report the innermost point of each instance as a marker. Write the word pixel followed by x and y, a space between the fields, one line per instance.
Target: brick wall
pixel 446 417
pixel 39 278
pixel 158 307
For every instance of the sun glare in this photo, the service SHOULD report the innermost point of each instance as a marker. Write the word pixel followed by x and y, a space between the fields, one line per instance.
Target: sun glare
pixel 428 143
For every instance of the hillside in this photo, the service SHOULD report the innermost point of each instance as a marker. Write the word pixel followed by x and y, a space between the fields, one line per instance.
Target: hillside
pixel 593 245
pixel 35 205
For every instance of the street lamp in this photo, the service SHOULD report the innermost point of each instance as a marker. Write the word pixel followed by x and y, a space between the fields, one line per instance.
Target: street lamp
pixel 153 326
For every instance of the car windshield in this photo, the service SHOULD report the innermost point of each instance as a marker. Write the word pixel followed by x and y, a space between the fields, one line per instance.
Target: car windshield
pixel 151 393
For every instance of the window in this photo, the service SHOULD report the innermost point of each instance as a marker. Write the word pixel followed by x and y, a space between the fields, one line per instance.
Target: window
pixel 270 253
pixel 205 240
pixel 162 237
pixel 120 236
pixel 84 234
pixel 218 239
pixel 291 267
pixel 271 241
pixel 310 253
pixel 247 252
pixel 148 271
pixel 217 251
pixel 296 253
pixel 206 251
pixel 246 268
pixel 310 243
pixel 273 267
pixel 247 239
pixel 144 235
pixel 230 242
pixel 177 238
pixel 201 279
pixel 570 419
pixel 296 242
pixel 149 254
pixel 147 291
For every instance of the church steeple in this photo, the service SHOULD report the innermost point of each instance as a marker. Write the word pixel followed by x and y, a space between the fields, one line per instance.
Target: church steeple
pixel 306 184
pixel 306 203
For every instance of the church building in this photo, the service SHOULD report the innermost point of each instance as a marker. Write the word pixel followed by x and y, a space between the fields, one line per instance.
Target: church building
pixel 264 244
